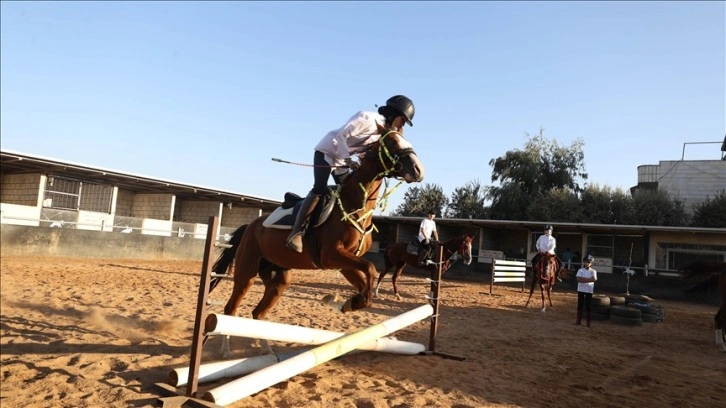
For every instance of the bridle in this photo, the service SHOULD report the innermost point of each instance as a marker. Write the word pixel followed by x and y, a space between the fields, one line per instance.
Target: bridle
pixel 383 153
pixel 454 255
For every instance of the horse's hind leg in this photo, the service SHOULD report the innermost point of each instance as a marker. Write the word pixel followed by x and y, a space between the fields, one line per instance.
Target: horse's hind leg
pixel 243 275
pixel 394 279
pixel 378 284
pixel 276 282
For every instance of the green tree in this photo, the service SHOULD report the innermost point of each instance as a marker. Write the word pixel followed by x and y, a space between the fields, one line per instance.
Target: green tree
pixel 711 212
pixel 468 201
pixel 525 175
pixel 657 207
pixel 509 202
pixel 557 204
pixel 605 205
pixel 418 200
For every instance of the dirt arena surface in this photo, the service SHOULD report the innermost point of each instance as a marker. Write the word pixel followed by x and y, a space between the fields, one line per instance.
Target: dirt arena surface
pixel 100 333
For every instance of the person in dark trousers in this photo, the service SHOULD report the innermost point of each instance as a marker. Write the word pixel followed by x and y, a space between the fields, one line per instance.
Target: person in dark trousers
pixel 586 278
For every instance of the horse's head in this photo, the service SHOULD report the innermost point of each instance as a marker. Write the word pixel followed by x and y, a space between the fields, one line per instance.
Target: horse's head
pixel 465 248
pixel 460 247
pixel 394 156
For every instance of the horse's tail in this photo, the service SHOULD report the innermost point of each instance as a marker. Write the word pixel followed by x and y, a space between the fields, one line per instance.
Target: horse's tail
pixel 225 259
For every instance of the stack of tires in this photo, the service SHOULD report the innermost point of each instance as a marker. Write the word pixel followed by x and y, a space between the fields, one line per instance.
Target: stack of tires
pixel 630 310
pixel 600 307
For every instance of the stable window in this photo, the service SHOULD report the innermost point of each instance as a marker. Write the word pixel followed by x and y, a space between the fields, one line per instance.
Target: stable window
pixel 68 194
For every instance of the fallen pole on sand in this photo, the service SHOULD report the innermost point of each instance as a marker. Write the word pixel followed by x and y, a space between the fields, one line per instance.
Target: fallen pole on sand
pixel 269 376
pixel 219 324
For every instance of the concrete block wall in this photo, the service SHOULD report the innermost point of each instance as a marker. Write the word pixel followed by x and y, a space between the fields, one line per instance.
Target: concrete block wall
pixel 692 180
pixel 125 203
pixel 236 216
pixel 20 189
pixel 196 211
pixel 155 206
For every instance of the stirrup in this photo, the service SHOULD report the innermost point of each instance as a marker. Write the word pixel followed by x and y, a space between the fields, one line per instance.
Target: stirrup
pixel 294 245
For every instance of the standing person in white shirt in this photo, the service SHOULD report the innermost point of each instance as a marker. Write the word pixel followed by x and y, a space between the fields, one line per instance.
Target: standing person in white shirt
pixel 586 278
pixel 335 149
pixel 426 231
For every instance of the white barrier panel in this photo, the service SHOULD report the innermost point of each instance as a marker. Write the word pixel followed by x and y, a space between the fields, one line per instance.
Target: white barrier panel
pixel 220 324
pixel 266 377
pixel 507 271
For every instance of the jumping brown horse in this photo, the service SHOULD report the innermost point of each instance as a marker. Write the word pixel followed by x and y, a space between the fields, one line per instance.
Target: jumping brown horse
pixel 545 271
pixel 397 255
pixel 338 243
pixel 711 274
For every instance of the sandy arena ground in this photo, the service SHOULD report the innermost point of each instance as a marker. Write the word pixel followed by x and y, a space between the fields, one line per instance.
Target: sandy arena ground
pixel 100 333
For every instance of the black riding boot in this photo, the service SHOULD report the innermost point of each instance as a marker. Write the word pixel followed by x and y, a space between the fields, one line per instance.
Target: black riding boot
pixel 294 240
pixel 579 317
pixel 421 257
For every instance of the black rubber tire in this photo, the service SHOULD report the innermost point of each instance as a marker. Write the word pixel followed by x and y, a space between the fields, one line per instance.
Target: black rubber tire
pixel 628 321
pixel 601 309
pixel 599 316
pixel 637 299
pixel 650 318
pixel 643 307
pixel 617 300
pixel 600 300
pixel 625 311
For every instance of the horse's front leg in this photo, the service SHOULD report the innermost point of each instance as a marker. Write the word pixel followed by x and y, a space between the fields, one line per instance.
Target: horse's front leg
pixel 549 295
pixel 542 293
pixel 531 289
pixel 394 279
pixel 359 272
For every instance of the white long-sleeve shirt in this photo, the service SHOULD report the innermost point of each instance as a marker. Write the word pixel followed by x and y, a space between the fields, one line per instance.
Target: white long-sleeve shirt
pixel 546 243
pixel 353 137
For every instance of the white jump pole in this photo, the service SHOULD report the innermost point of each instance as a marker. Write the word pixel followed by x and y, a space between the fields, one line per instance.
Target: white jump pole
pixel 269 376
pixel 216 370
pixel 220 324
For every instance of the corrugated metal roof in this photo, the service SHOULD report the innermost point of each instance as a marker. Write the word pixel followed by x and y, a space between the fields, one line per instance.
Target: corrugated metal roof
pixel 15 162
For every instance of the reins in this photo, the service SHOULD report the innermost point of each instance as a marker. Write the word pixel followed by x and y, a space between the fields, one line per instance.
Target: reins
pixel 381 203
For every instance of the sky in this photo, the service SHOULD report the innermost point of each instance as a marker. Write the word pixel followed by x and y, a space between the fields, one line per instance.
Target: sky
pixel 207 93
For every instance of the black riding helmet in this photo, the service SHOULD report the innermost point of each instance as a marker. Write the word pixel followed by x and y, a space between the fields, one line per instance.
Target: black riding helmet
pixel 588 258
pixel 402 105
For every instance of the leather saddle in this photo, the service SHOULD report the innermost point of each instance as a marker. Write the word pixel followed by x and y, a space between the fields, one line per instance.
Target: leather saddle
pixel 284 216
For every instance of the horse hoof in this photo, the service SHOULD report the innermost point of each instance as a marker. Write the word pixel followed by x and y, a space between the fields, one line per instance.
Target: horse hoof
pixel 543 310
pixel 398 297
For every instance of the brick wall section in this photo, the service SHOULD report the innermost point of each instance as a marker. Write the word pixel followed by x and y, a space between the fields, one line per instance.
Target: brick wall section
pixel 236 216
pixel 155 206
pixel 125 203
pixel 21 189
pixel 195 211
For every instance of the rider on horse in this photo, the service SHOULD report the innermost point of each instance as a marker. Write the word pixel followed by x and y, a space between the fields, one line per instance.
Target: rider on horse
pixel 425 232
pixel 546 244
pixel 334 152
